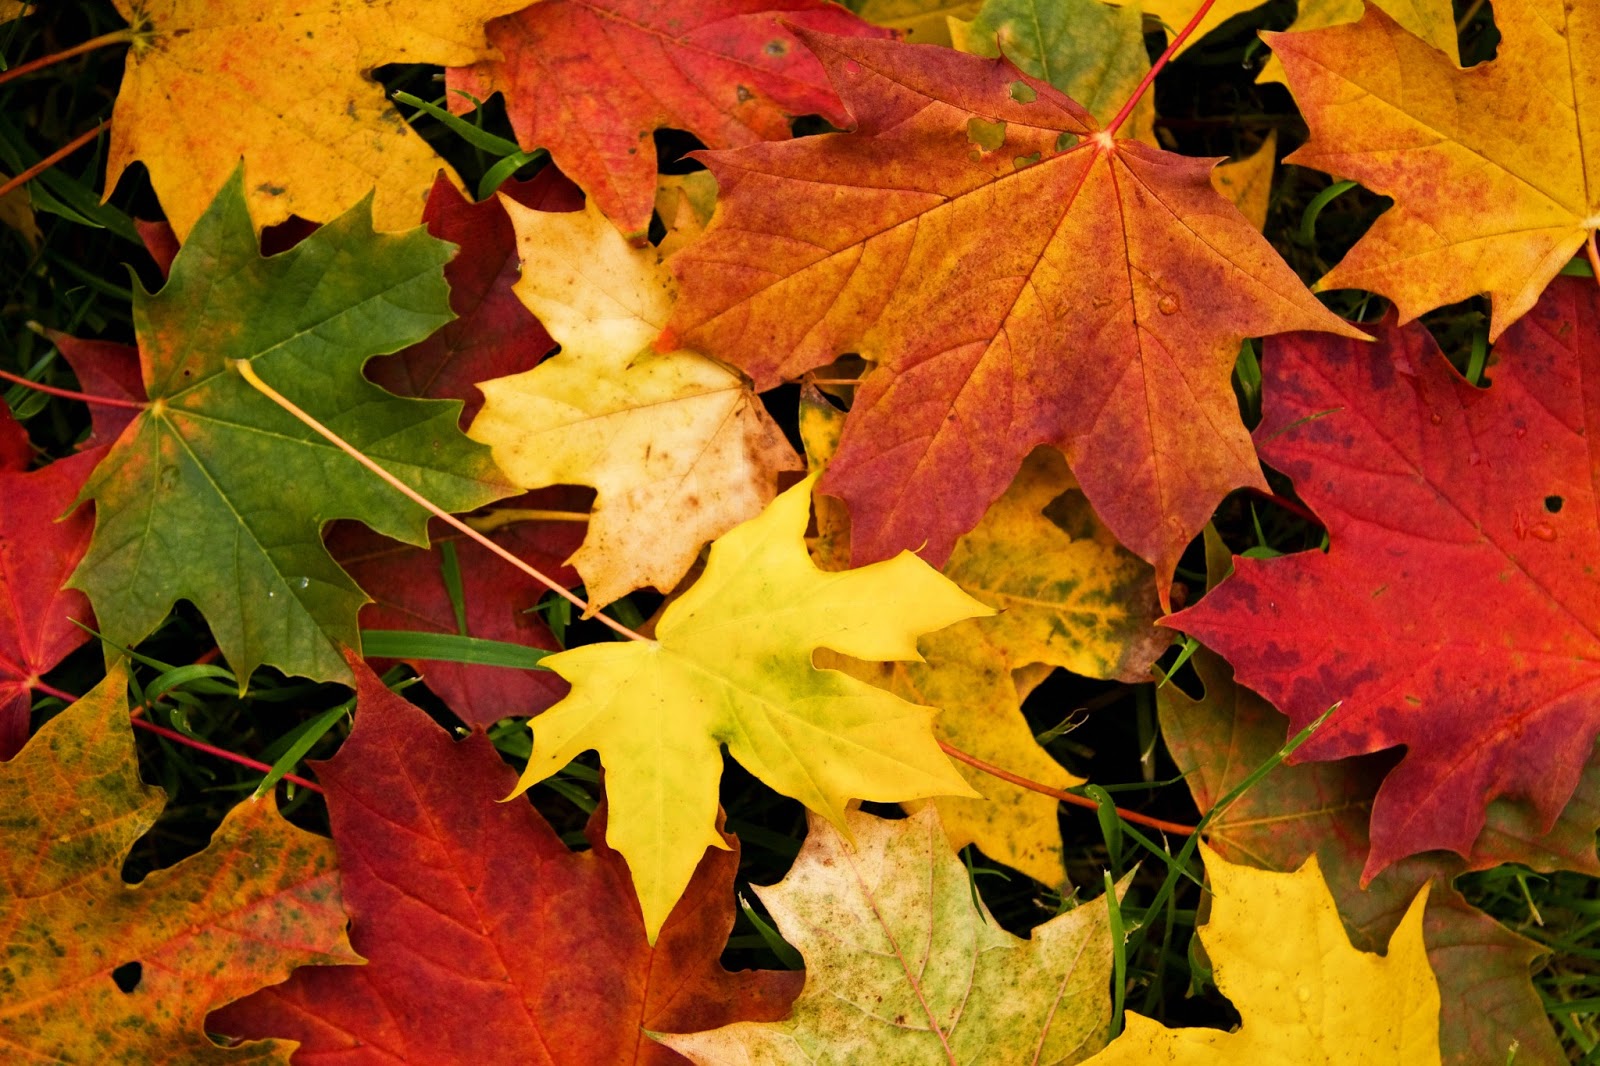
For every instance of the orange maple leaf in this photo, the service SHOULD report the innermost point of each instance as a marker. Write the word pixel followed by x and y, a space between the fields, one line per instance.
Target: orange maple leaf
pixel 1495 170
pixel 1019 277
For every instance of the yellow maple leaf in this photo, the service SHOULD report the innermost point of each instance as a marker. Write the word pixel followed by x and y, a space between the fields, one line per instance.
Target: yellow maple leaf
pixel 1248 181
pixel 1494 170
pixel 1304 994
pixel 677 447
pixel 732 664
pixel 1066 595
pixel 288 89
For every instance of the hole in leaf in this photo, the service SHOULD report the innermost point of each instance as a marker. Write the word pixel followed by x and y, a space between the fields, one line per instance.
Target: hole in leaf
pixel 986 135
pixel 1553 504
pixel 127 976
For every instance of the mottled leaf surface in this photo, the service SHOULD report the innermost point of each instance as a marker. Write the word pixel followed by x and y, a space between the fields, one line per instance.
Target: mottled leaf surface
pixel 904 967
pixel 260 900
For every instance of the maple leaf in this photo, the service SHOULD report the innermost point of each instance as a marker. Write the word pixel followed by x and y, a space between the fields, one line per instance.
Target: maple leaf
pixel 1093 299
pixel 731 664
pixel 1427 483
pixel 215 495
pixel 1488 1004
pixel 1516 141
pixel 904 964
pixel 486 940
pixel 1065 594
pixel 591 80
pixel 304 113
pixel 36 555
pixel 493 334
pixel 1272 932
pixel 1093 52
pixel 1432 20
pixel 678 449
pixel 411 592
pixel 1248 181
pixel 260 900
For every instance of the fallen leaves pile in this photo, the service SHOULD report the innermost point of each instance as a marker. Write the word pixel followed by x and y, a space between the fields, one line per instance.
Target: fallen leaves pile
pixel 1024 335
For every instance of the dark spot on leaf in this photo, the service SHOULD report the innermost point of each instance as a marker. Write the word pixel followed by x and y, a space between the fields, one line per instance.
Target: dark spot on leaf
pixel 775 48
pixel 271 189
pixel 743 94
pixel 127 976
pixel 1553 504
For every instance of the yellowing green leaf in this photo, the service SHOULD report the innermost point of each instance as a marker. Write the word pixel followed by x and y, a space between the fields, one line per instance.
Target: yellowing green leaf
pixel 216 495
pixel 1091 51
pixel 1248 181
pixel 677 447
pixel 902 968
pixel 1304 995
pixel 920 21
pixel 731 664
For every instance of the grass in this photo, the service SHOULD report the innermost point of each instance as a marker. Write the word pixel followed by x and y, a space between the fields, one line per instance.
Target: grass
pixel 76 278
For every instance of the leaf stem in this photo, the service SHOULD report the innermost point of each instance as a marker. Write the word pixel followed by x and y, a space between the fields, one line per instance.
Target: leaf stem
pixel 248 372
pixel 51 390
pixel 1594 256
pixel 53 158
pixel 122 36
pixel 1155 68
pixel 178 738
pixel 1057 794
pixel 221 753
pixel 500 517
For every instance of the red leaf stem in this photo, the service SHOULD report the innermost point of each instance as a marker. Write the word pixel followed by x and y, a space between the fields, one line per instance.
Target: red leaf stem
pixel 51 390
pixel 1065 797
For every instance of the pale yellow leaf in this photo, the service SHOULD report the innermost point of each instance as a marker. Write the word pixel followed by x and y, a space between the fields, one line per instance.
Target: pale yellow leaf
pixel 676 446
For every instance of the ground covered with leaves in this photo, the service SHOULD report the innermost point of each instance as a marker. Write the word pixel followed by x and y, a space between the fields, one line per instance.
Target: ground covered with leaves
pixel 1004 531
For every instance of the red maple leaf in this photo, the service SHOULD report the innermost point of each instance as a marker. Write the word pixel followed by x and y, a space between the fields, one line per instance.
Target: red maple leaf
pixel 493 334
pixel 591 80
pixel 1456 611
pixel 37 553
pixel 487 941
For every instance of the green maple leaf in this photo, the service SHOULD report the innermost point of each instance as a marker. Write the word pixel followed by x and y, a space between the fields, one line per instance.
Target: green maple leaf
pixel 217 496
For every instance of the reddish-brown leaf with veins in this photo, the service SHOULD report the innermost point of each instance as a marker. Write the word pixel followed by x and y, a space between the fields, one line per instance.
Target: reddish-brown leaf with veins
pixel 407 585
pixel 493 333
pixel 36 555
pixel 591 80
pixel 1456 611
pixel 1019 277
pixel 1321 809
pixel 488 941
